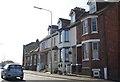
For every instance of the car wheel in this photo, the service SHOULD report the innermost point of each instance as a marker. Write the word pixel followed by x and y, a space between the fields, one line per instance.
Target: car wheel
pixel 2 76
pixel 21 78
pixel 5 77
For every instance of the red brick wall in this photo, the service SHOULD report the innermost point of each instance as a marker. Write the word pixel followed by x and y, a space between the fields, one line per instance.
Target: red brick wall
pixel 119 41
pixel 102 45
pixel 79 33
pixel 108 29
pixel 112 41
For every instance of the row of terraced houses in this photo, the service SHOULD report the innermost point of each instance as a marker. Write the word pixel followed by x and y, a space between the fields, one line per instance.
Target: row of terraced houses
pixel 87 44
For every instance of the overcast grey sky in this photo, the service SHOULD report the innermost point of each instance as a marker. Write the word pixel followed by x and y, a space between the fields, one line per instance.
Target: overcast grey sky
pixel 21 24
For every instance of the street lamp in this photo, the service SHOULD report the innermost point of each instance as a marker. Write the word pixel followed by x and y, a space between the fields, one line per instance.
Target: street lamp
pixel 50 35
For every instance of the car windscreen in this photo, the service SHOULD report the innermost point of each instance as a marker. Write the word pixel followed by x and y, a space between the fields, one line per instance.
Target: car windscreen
pixel 15 67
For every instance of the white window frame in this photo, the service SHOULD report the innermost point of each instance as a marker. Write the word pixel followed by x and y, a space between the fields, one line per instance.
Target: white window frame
pixel 35 58
pixel 73 17
pixel 66 35
pixel 61 55
pixel 55 56
pixel 95 20
pixel 43 45
pixel 60 24
pixel 28 61
pixel 86 51
pixel 85 27
pixel 67 54
pixel 92 7
pixel 95 53
pixel 54 41
pixel 31 60
pixel 61 37
pixel 49 31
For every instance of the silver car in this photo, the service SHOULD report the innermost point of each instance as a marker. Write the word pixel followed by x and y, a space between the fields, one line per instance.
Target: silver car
pixel 12 71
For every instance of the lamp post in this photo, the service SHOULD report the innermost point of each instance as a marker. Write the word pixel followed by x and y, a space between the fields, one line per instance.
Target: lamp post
pixel 50 34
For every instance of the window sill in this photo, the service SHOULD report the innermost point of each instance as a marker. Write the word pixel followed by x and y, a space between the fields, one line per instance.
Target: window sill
pixel 93 32
pixel 60 42
pixel 55 61
pixel 84 34
pixel 66 61
pixel 96 59
pixel 66 41
pixel 85 59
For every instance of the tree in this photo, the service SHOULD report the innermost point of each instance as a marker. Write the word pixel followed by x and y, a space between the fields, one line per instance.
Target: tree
pixel 7 62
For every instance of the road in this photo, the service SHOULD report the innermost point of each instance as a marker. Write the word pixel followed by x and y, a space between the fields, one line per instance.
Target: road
pixel 36 78
pixel 29 77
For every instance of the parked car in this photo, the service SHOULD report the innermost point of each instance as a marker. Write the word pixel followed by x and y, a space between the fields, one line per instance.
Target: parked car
pixel 12 71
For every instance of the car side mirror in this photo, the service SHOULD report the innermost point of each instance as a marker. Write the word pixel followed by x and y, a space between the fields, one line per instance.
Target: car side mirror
pixel 23 68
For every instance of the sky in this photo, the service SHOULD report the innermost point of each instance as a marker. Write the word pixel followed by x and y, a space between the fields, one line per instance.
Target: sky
pixel 21 23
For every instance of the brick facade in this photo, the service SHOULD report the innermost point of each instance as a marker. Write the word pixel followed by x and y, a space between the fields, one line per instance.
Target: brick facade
pixel 106 37
pixel 109 32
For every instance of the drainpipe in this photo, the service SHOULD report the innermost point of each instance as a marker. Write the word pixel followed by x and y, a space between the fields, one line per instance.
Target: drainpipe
pixel 106 50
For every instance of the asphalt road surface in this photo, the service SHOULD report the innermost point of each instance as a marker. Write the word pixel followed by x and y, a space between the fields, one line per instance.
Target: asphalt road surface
pixel 36 78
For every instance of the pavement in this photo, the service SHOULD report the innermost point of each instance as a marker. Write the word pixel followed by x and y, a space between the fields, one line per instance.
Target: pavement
pixel 83 78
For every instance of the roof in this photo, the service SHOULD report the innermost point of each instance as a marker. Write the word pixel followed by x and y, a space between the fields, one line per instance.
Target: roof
pixel 77 10
pixel 53 26
pixel 65 22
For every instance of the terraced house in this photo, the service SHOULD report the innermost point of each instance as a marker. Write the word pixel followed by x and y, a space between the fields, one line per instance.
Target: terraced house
pixel 29 57
pixel 64 44
pixel 48 50
pixel 87 44
pixel 95 42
